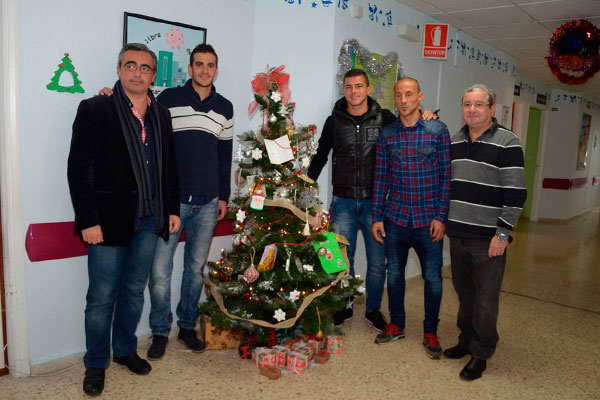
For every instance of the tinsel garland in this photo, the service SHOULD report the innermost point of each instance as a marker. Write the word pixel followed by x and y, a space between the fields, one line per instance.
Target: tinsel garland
pixel 374 67
pixel 574 52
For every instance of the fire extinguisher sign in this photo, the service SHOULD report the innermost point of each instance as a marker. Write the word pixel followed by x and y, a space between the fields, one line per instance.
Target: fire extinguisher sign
pixel 435 41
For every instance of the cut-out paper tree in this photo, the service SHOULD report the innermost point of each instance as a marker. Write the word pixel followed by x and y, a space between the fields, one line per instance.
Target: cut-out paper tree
pixel 67 66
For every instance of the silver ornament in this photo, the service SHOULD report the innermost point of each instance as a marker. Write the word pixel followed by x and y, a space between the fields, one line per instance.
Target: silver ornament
pixel 273 119
pixel 238 226
pixel 248 153
pixel 322 252
pixel 374 67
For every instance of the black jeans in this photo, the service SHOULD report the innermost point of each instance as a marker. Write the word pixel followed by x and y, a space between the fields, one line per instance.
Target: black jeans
pixel 477 280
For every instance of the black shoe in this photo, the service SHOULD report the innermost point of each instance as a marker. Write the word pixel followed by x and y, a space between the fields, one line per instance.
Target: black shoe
pixel 93 382
pixel 376 319
pixel 473 370
pixel 456 352
pixel 135 364
pixel 342 316
pixel 158 347
pixel 188 337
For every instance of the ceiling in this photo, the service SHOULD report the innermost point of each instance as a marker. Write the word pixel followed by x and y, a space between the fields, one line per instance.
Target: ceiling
pixel 520 28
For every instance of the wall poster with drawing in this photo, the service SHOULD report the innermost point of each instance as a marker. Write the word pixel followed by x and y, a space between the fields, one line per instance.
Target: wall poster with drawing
pixel 584 135
pixel 172 42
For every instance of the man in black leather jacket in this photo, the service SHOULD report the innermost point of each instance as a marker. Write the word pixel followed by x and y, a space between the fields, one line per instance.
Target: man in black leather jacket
pixel 351 132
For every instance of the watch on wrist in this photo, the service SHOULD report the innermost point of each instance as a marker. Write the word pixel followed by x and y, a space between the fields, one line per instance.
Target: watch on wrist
pixel 503 237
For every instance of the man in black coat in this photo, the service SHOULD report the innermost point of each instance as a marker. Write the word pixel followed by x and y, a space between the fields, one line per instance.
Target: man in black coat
pixel 124 188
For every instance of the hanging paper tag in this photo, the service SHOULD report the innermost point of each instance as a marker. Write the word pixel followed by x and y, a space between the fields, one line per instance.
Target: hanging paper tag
pixel 331 257
pixel 267 261
pixel 257 201
pixel 279 150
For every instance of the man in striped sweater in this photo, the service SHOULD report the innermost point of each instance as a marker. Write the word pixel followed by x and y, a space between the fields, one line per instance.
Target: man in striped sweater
pixel 487 196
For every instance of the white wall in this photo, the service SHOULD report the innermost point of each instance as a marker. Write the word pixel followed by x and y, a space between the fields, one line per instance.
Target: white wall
pixel 560 158
pixel 247 35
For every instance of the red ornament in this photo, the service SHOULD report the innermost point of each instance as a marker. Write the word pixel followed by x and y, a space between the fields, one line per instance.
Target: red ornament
pixel 574 52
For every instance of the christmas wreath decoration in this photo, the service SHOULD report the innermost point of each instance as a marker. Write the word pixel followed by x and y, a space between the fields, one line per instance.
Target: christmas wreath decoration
pixel 574 52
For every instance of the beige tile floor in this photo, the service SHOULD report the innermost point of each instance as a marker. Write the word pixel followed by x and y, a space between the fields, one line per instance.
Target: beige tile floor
pixel 549 326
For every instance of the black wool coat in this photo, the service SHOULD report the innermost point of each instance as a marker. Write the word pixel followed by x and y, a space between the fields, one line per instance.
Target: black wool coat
pixel 101 180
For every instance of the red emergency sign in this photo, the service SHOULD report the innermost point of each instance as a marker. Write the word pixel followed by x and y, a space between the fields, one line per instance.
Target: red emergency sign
pixel 435 41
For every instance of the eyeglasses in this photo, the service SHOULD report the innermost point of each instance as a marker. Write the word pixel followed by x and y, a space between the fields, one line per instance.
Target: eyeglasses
pixel 144 69
pixel 478 106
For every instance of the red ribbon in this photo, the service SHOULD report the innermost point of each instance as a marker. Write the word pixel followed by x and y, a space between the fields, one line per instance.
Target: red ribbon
pixel 262 82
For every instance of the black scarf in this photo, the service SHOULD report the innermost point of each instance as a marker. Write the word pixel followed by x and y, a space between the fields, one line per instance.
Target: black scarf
pixel 132 132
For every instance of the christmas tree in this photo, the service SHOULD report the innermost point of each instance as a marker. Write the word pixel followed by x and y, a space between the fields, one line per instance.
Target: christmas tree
pixel 66 66
pixel 285 270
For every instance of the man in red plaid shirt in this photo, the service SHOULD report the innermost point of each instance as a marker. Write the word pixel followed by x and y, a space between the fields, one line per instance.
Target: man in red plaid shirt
pixel 411 196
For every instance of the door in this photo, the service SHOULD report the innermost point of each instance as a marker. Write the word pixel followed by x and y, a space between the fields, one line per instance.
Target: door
pixel 531 153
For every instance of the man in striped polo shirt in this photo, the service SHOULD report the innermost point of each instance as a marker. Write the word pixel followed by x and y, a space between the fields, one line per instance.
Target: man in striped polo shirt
pixel 487 196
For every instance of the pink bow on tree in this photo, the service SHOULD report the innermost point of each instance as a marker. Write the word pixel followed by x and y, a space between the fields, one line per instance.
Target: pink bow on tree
pixel 262 82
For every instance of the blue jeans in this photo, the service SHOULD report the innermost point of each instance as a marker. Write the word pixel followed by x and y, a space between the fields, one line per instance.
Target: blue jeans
pixel 348 215
pixel 117 275
pixel 398 241
pixel 199 224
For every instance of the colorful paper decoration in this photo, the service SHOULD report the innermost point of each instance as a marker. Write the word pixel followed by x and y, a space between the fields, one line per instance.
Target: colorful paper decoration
pixel 330 254
pixel 67 66
pixel 267 261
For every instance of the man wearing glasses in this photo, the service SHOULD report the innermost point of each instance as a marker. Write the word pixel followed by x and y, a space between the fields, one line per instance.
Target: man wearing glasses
pixel 487 196
pixel 124 188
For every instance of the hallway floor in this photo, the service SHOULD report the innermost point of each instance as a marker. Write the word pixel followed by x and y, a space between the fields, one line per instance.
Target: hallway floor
pixel 549 326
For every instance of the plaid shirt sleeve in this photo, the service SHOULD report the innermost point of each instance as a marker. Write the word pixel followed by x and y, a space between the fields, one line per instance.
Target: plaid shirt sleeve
pixel 444 170
pixel 380 185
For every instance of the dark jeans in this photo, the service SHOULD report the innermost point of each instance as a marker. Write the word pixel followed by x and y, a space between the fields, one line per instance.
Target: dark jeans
pixel 398 241
pixel 117 279
pixel 477 280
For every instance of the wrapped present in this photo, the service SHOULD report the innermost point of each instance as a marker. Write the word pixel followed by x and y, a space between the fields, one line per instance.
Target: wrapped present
pixel 303 348
pixel 302 337
pixel 316 345
pixel 263 357
pixel 297 362
pixel 322 358
pixel 335 344
pixel 281 353
pixel 270 372
pixel 216 338
pixel 246 349
pixel 289 343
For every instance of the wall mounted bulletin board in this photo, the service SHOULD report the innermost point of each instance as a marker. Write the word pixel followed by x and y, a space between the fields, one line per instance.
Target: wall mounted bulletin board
pixel 172 42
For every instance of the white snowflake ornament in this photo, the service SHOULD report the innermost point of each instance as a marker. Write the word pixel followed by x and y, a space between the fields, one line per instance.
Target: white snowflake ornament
pixel 240 215
pixel 257 153
pixel 307 267
pixel 305 162
pixel 279 315
pixel 276 96
pixel 294 295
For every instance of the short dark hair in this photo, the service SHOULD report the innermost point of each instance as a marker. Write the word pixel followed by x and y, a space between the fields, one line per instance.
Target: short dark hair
pixel 203 48
pixel 408 78
pixel 356 72
pixel 137 47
